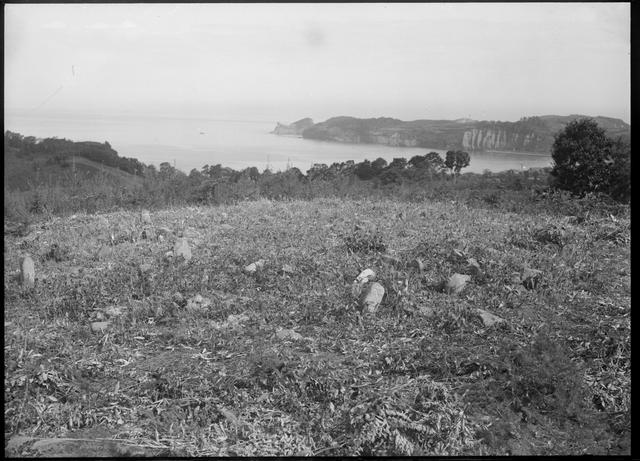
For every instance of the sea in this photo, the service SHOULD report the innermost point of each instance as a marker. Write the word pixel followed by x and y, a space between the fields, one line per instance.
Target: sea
pixel 189 143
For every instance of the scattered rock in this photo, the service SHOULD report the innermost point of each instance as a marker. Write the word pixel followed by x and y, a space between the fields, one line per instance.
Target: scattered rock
pixel 254 267
pixel 361 280
pixel 456 283
pixel 531 278
pixel 181 248
pixel 372 298
pixel 114 311
pixel 27 272
pixel 145 216
pixel 285 334
pixel 98 327
pixel 392 260
pixel 488 318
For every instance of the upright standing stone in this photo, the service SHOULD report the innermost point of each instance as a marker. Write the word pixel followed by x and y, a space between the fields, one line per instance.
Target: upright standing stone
pixel 27 272
pixel 181 248
pixel 146 216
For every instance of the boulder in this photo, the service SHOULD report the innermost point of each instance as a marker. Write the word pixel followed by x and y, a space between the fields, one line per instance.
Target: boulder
pixel 181 248
pixel 372 297
pixel 456 283
pixel 27 272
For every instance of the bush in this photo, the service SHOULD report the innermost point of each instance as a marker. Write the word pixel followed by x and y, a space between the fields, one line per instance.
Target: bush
pixel 586 160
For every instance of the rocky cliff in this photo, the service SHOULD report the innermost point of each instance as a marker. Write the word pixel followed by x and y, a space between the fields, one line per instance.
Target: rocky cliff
pixel 296 128
pixel 529 134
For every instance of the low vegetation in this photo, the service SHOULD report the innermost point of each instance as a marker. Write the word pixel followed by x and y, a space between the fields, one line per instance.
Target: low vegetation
pixel 203 357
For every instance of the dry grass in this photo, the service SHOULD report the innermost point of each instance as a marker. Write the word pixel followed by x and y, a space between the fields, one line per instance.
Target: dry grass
pixel 171 373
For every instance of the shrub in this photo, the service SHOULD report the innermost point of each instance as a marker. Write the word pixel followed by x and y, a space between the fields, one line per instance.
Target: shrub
pixel 586 160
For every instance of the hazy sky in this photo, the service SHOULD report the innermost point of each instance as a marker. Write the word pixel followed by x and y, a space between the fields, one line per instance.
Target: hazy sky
pixel 287 61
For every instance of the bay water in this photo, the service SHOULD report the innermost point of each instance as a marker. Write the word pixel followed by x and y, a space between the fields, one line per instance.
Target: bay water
pixel 190 143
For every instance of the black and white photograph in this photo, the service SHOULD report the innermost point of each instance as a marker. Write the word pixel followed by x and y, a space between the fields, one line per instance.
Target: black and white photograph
pixel 317 229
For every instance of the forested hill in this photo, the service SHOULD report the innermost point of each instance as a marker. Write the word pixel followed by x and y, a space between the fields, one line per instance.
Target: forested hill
pixel 29 161
pixel 529 134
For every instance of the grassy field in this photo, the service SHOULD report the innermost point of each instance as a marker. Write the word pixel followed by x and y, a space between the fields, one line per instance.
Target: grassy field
pixel 198 358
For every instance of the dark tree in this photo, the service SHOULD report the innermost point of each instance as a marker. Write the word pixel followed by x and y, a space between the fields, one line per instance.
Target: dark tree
pixel 587 160
pixel 399 163
pixel 456 161
pixel 364 170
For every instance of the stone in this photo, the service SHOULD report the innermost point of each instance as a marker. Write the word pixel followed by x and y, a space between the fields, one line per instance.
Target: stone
pixel 254 267
pixel 456 283
pixel 531 278
pixel 27 272
pixel 224 215
pixel 488 318
pixel 99 327
pixel 114 311
pixel 372 298
pixel 226 227
pixel 361 280
pixel 181 248
pixel 285 334
pixel 145 216
pixel 472 262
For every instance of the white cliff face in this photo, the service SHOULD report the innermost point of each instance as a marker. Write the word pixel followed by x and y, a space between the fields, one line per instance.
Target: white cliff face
pixel 497 139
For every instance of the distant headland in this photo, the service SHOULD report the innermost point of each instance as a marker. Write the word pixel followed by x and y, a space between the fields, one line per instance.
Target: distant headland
pixel 529 134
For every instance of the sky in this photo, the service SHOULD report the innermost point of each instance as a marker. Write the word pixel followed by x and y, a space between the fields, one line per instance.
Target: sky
pixel 284 62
